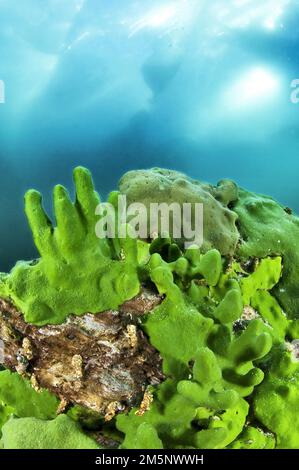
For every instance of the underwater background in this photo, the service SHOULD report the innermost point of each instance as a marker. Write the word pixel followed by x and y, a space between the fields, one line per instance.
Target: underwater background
pixel 200 86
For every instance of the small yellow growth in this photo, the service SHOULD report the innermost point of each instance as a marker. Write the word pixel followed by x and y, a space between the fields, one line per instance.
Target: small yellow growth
pixel 145 404
pixel 27 349
pixel 34 383
pixel 111 410
pixel 77 363
pixel 24 355
pixel 6 333
pixel 249 313
pixel 62 406
pixel 132 332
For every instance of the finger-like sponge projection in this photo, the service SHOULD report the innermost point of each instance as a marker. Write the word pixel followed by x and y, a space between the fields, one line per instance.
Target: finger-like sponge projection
pixel 77 272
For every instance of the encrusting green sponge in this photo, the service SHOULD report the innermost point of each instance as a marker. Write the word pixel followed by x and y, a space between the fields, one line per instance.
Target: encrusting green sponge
pixel 31 433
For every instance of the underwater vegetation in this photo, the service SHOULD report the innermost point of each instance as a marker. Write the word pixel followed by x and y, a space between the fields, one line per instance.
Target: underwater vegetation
pixel 220 322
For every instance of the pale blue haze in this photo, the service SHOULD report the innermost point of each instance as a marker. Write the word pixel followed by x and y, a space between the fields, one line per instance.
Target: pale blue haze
pixel 198 86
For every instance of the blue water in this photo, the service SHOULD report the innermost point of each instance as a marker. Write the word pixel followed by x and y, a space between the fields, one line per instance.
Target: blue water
pixel 199 86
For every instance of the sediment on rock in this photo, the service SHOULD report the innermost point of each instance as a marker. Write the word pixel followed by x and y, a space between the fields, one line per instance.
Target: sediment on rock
pixel 100 361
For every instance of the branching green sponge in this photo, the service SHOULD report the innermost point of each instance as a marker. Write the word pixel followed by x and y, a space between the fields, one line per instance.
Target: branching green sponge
pixel 207 378
pixel 226 351
pixel 256 293
pixel 210 366
pixel 77 271
pixel 206 390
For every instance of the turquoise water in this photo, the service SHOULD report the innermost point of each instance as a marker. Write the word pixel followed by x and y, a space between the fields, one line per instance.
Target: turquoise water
pixel 199 86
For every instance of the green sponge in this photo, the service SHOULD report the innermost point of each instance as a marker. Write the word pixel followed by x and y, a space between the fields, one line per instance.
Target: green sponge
pixel 32 433
pixel 77 272
pixel 276 400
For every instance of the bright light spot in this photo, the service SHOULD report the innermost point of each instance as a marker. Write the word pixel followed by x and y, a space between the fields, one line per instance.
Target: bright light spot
pixel 244 13
pixel 269 23
pixel 156 18
pixel 253 88
pixel 161 16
